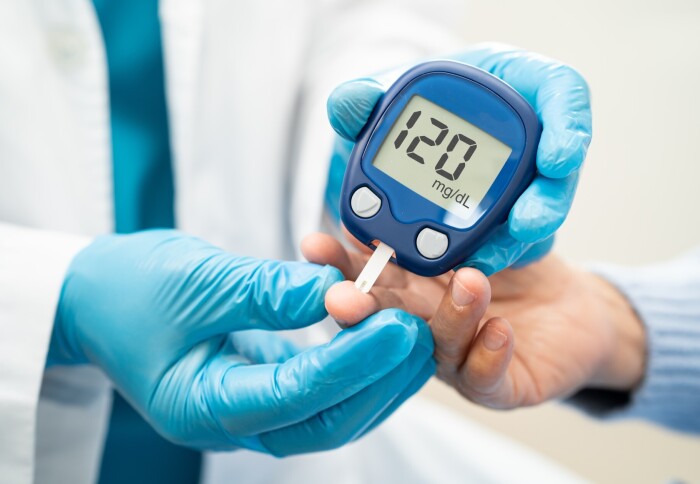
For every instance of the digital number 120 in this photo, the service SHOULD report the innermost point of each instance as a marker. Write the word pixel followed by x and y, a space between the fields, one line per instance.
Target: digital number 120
pixel 437 141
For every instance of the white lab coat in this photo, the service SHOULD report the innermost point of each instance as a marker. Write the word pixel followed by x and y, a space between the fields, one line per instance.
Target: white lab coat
pixel 246 88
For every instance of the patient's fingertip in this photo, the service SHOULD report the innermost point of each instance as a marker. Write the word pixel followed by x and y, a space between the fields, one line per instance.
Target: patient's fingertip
pixel 318 248
pixel 468 286
pixel 347 305
pixel 461 296
pixel 495 339
pixel 497 335
pixel 308 246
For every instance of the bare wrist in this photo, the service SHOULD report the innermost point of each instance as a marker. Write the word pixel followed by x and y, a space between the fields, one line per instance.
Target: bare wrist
pixel 624 366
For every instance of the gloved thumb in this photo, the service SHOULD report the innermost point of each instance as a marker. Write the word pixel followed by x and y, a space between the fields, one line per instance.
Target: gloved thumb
pixel 350 105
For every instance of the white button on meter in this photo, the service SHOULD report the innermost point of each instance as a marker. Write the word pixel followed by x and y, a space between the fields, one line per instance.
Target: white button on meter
pixel 431 243
pixel 365 203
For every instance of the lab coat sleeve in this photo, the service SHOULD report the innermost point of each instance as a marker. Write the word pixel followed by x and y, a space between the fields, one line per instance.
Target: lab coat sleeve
pixel 666 298
pixel 32 268
pixel 352 39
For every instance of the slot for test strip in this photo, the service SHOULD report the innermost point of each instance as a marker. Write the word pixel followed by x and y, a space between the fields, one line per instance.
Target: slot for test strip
pixel 375 265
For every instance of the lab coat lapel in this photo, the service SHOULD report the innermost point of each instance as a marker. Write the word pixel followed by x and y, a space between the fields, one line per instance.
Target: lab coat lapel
pixel 234 127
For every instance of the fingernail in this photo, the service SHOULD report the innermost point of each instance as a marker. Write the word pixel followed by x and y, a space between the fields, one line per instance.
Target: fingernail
pixel 460 295
pixel 494 339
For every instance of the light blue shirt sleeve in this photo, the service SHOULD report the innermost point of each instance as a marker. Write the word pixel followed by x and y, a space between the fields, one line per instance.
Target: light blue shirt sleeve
pixel 667 299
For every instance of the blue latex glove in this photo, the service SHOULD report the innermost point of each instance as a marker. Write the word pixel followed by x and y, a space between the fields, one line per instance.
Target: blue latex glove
pixel 169 317
pixel 560 98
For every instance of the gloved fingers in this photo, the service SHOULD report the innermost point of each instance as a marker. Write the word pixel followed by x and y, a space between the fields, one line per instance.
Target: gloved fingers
pixel 350 105
pixel 345 421
pixel 421 379
pixel 343 149
pixel 268 295
pixel 247 400
pixel 561 99
pixel 534 253
pixel 260 346
pixel 499 251
pixel 542 208
pixel 563 104
pixel 339 162
pixel 484 378
pixel 559 95
pixel 534 218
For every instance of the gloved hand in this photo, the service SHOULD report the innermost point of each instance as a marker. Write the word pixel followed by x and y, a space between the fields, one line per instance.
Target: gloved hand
pixel 168 317
pixel 560 98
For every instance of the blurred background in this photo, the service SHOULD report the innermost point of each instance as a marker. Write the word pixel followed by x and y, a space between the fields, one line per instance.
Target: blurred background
pixel 637 201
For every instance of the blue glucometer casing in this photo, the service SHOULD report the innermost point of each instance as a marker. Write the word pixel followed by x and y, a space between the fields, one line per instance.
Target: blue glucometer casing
pixel 447 151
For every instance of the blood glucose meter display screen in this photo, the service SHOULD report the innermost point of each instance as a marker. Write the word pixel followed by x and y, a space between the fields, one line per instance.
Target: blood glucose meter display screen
pixel 441 157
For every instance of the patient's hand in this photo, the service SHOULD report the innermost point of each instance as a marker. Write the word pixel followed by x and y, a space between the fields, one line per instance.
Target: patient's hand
pixel 548 331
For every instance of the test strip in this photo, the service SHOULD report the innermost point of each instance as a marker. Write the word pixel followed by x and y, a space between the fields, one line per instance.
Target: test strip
pixel 375 265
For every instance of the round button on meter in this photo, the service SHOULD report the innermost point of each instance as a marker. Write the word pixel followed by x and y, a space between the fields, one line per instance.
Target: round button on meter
pixel 431 244
pixel 445 154
pixel 364 203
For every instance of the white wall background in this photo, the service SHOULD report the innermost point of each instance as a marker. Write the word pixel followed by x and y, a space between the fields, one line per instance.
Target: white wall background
pixel 638 198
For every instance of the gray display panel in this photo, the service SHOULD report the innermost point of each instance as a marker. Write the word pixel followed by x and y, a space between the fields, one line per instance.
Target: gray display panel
pixel 441 157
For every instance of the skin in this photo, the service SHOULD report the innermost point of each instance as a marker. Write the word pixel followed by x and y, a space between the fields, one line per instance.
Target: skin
pixel 519 338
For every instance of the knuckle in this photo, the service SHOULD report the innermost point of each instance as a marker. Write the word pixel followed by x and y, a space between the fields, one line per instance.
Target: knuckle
pixel 480 379
pixel 331 435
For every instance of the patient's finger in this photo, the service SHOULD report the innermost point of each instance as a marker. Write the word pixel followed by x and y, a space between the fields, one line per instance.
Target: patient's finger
pixel 324 249
pixel 484 377
pixel 456 320
pixel 348 305
pixel 354 242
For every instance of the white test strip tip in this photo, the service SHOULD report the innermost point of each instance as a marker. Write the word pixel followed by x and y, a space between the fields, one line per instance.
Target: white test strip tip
pixel 375 265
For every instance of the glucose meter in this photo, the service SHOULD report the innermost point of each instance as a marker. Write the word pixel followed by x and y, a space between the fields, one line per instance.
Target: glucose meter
pixel 445 154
